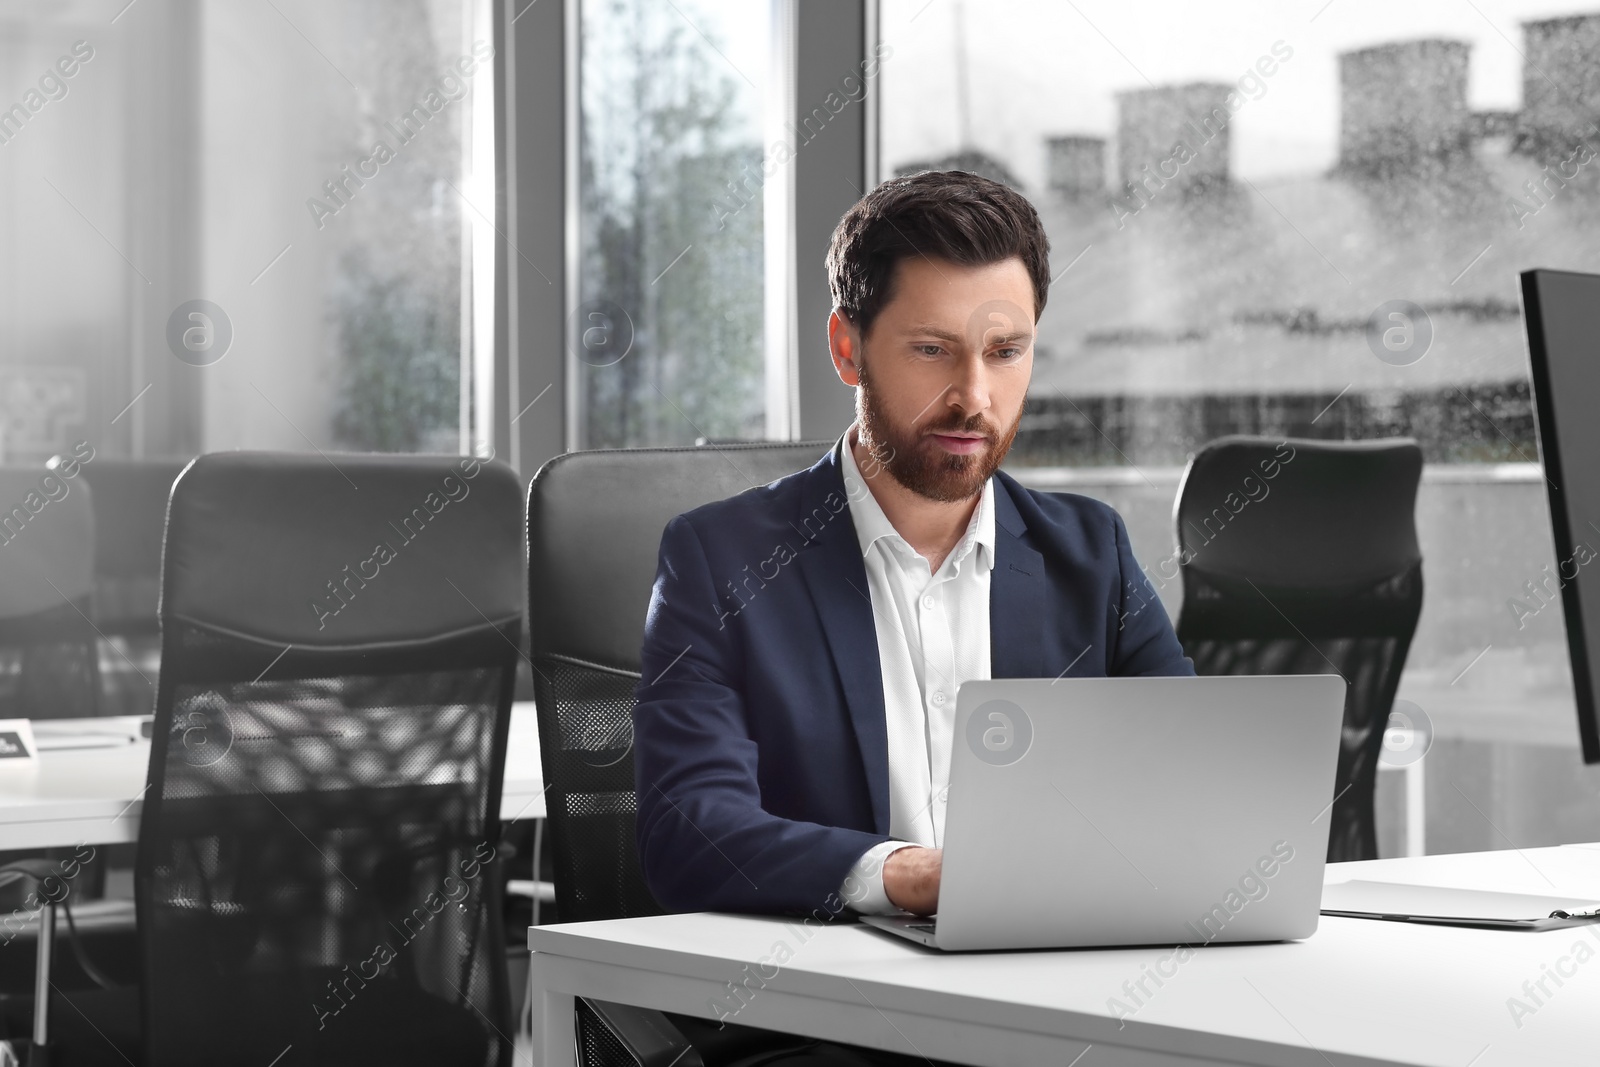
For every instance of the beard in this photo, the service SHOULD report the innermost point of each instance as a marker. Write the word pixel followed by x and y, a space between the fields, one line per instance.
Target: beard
pixel 915 459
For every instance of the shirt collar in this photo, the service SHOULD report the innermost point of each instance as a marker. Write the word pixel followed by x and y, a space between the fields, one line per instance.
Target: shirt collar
pixel 872 524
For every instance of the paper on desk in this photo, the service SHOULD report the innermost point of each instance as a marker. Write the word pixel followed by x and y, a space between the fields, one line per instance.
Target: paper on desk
pixel 50 742
pixel 1453 906
pixel 17 746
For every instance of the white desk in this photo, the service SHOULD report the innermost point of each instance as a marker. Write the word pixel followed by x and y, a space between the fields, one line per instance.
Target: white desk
pixel 1357 992
pixel 92 795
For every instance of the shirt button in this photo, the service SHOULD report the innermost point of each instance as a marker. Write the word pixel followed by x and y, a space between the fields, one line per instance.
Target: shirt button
pixel 938 697
pixel 927 601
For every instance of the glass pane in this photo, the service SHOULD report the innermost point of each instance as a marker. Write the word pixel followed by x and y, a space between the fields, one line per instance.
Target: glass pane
pixel 1303 223
pixel 667 336
pixel 235 226
pixel 384 222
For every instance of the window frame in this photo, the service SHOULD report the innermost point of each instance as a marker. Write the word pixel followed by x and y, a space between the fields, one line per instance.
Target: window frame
pixel 537 105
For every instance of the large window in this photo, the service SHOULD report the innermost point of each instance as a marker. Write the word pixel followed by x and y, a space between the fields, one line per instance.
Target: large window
pixel 666 332
pixel 240 225
pixel 1240 197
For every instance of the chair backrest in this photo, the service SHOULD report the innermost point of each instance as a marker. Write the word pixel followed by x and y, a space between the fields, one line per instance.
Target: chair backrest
pixel 130 512
pixel 316 859
pixel 1301 557
pixel 49 661
pixel 594 533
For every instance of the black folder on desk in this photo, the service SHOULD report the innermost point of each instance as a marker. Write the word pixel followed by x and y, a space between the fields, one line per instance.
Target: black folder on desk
pixel 1398 902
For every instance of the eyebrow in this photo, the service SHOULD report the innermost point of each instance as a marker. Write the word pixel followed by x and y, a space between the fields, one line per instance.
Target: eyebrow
pixel 930 330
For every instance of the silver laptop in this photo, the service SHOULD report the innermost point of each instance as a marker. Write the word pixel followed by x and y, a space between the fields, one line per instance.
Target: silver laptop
pixel 1135 811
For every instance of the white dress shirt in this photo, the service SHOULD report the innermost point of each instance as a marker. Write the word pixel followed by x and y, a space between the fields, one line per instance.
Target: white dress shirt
pixel 933 635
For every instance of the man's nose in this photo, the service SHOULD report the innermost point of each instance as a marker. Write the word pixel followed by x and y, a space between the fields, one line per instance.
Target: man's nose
pixel 969 389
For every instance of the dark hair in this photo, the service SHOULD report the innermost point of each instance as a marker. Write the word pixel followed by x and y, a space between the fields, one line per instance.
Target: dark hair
pixel 943 214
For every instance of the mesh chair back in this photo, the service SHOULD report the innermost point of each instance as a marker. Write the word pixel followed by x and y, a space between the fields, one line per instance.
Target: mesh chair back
pixel 49 663
pixel 316 852
pixel 1301 557
pixel 594 533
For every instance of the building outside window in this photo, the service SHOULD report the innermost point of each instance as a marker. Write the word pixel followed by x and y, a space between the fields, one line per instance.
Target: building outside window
pixel 1235 194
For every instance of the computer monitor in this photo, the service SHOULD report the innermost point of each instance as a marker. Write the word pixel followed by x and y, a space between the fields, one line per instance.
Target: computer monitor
pixel 1562 312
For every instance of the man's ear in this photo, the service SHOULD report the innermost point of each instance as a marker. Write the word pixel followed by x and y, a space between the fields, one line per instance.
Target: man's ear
pixel 844 345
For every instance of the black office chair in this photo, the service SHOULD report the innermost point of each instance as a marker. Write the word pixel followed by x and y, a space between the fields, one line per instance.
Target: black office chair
pixel 130 514
pixel 49 663
pixel 1301 557
pixel 316 864
pixel 49 660
pixel 594 532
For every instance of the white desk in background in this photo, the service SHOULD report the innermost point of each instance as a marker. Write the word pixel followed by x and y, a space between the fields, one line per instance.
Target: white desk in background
pixel 1357 992
pixel 83 795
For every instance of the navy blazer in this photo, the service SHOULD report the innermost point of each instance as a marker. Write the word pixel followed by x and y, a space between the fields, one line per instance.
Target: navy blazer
pixel 760 745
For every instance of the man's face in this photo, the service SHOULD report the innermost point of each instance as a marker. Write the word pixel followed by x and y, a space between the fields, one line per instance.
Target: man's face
pixel 943 373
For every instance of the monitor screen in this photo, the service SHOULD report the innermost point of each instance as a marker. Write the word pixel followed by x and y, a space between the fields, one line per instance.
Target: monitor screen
pixel 1562 313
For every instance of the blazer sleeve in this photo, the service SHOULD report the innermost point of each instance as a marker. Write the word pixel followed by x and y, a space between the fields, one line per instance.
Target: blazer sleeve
pixel 705 842
pixel 1144 639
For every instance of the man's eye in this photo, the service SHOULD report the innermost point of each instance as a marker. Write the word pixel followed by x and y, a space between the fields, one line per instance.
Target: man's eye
pixel 928 350
pixel 1012 352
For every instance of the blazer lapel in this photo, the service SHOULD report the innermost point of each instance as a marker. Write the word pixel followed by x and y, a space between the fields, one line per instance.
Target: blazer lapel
pixel 837 577
pixel 1016 594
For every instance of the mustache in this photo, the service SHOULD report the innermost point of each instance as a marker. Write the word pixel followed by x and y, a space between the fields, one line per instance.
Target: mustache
pixel 957 424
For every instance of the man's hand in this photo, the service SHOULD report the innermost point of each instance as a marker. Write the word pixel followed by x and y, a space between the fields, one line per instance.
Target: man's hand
pixel 911 878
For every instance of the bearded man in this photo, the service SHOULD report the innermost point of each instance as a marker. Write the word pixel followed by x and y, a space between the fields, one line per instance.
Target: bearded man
pixel 806 639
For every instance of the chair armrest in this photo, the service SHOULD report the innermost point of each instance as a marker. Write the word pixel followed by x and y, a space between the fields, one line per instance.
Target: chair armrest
pixel 93 918
pixel 99 917
pixel 544 892
pixel 644 1033
pixel 33 868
